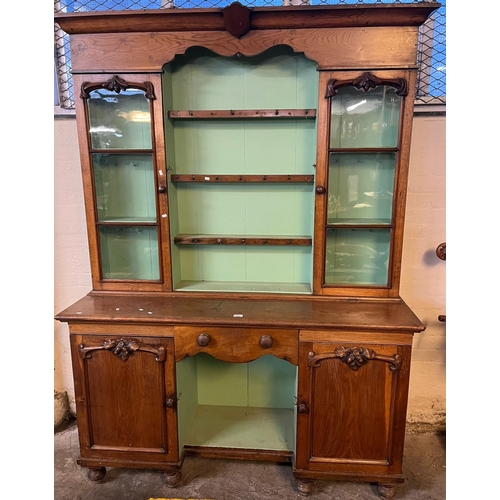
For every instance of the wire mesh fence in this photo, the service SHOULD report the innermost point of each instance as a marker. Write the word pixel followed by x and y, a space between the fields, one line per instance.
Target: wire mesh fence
pixel 431 79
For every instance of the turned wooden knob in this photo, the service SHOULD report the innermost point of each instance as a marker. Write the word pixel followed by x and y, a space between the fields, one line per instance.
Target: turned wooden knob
pixel 203 339
pixel 441 251
pixel 266 341
pixel 320 189
pixel 162 189
pixel 302 408
pixel 170 403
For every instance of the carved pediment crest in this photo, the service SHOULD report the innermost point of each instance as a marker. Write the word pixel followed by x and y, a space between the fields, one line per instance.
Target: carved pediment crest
pixel 236 19
pixel 366 82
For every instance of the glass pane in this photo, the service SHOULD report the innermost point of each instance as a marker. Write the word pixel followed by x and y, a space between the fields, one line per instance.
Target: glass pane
pixel 119 121
pixel 362 119
pixel 357 256
pixel 124 187
pixel 129 253
pixel 360 188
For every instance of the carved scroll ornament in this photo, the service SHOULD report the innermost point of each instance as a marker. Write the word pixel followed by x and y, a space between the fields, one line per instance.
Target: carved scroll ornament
pixel 354 357
pixel 367 82
pixel 117 84
pixel 122 348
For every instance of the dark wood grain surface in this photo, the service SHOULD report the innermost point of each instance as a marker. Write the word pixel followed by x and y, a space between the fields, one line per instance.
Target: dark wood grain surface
pixel 263 18
pixel 236 345
pixel 120 403
pixel 309 313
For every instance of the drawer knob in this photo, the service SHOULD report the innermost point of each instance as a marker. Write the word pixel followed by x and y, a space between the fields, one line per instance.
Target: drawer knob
pixel 203 339
pixel 266 341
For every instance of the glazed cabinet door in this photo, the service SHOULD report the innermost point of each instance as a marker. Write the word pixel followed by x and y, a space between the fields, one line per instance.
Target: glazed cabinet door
pixel 362 167
pixel 125 398
pixel 120 130
pixel 352 397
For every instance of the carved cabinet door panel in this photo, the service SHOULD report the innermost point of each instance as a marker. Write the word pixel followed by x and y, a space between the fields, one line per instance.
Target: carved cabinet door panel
pixel 352 406
pixel 125 397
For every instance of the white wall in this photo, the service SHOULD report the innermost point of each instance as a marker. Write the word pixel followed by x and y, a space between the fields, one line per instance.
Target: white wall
pixel 423 274
pixel 423 279
pixel 71 256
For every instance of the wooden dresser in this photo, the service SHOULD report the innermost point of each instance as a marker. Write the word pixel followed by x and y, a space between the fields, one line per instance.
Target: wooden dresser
pixel 245 175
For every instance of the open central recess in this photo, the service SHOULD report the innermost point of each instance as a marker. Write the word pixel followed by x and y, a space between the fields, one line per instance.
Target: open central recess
pixel 236 405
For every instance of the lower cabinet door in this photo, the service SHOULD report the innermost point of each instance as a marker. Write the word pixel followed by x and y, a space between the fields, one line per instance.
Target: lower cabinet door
pixel 351 405
pixel 125 398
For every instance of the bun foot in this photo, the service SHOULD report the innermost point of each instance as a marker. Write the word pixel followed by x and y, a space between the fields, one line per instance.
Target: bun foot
pixel 386 491
pixel 304 486
pixel 96 473
pixel 173 479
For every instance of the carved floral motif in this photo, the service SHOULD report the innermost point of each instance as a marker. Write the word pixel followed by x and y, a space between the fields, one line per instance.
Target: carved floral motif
pixel 122 348
pixel 367 82
pixel 354 357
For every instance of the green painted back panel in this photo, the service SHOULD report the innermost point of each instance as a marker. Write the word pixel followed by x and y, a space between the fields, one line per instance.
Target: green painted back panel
pixel 269 209
pixel 129 252
pixel 276 79
pixel 271 383
pixel 124 187
pixel 361 188
pixel 357 256
pixel 187 392
pixel 267 382
pixel 252 146
pixel 170 158
pixel 221 383
pixel 275 264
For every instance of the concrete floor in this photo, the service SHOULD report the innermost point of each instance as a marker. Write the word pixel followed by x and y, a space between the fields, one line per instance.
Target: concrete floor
pixel 424 470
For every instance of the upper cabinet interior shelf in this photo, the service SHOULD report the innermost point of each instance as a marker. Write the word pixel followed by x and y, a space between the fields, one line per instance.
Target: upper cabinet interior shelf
pixel 286 178
pixel 244 113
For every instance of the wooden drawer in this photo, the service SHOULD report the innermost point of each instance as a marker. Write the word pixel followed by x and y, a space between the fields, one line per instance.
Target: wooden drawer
pixel 236 345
